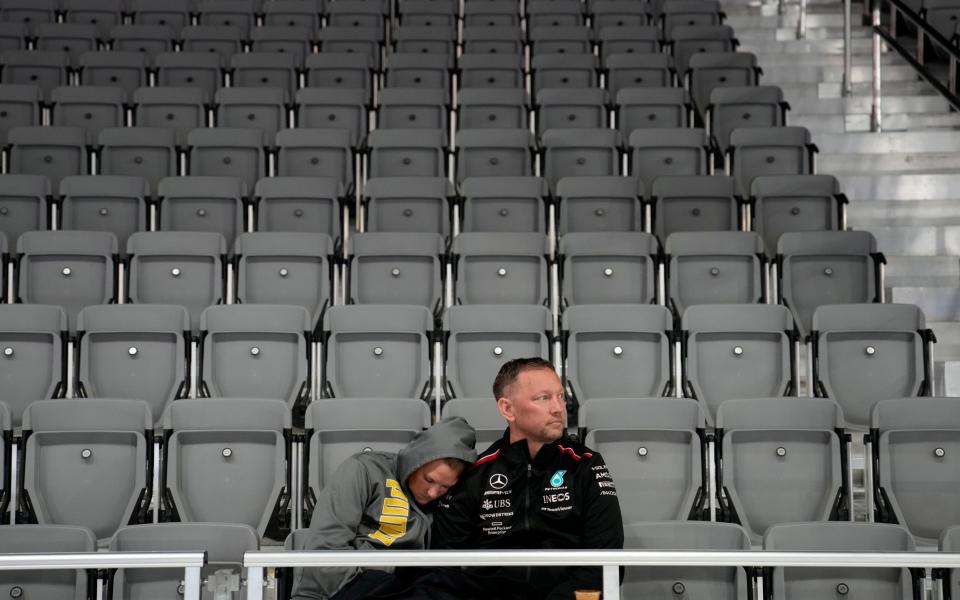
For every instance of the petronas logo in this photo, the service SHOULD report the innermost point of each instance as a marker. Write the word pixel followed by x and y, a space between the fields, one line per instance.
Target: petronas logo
pixel 557 479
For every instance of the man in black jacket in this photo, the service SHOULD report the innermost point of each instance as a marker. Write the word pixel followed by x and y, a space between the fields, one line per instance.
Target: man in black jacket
pixel 534 488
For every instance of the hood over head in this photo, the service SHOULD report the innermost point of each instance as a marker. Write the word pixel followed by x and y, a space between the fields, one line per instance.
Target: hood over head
pixel 452 437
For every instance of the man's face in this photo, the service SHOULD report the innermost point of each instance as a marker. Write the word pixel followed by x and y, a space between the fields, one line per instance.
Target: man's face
pixel 432 481
pixel 535 406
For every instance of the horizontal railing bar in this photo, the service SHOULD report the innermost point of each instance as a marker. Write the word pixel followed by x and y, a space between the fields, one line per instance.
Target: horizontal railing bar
pixel 650 558
pixel 928 29
pixel 102 560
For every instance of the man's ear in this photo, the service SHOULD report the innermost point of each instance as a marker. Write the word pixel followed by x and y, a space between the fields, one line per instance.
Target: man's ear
pixel 505 406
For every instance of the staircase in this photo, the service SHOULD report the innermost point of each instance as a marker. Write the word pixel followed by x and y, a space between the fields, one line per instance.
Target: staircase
pixel 904 183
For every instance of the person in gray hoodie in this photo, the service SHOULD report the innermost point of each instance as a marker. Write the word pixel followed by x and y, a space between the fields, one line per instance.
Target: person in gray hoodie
pixel 367 505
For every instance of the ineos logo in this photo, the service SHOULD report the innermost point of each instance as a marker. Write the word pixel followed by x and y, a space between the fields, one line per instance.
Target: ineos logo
pixel 498 481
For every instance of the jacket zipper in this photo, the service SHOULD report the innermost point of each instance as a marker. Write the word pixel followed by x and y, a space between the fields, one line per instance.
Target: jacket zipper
pixel 526 513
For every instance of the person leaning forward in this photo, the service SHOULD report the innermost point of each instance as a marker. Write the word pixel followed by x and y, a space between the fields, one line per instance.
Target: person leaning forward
pixel 367 505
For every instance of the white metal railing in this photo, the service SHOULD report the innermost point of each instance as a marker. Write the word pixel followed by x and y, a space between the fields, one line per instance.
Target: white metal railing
pixel 190 562
pixel 608 560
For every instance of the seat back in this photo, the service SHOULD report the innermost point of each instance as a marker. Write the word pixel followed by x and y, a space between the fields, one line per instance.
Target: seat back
pixel 408 204
pixel 412 108
pixel 55 584
pixel 481 413
pixel 658 152
pixel 32 365
pixel 747 106
pixel 580 153
pixel 23 205
pixel 55 152
pixel 148 152
pixel 325 106
pixel 609 268
pixel 594 204
pixel 90 107
pixel 651 108
pixel 228 152
pixel 180 108
pixel 694 203
pixel 316 153
pixel 500 268
pixel 794 203
pixel 494 152
pixel 504 204
pixel 202 203
pixel 19 104
pixel 709 70
pixel 263 108
pixel 301 204
pixel 757 151
pixel 105 203
pixel 396 268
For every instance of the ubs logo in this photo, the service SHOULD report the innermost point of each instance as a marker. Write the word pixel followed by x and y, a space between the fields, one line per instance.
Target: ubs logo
pixel 498 481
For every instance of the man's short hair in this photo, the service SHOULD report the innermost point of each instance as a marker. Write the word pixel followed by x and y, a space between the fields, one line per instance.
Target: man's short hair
pixel 511 370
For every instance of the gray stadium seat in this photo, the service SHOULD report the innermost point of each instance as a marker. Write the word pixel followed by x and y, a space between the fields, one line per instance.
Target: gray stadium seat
pixel 345 108
pixel 408 204
pixel 88 106
pixel 827 267
pixel 357 14
pixel 439 39
pixel 148 152
pixel 285 268
pixel 482 338
pixel 105 203
pixel 496 14
pixel 45 69
pixel 791 203
pixel 429 13
pixel 55 152
pixel 913 440
pixel 416 70
pixel 126 70
pixel 572 109
pixel 580 153
pixel 19 107
pixel 304 204
pixel 172 13
pixel 560 39
pixel 396 153
pixel 180 108
pixel 737 351
pixel 70 269
pixel 230 13
pixel 667 583
pixel 494 153
pixel 483 108
pixel 782 460
pixel 228 152
pixel 262 108
pixel 694 203
pixel 950 542
pixel 316 153
pixel 283 39
pixel 709 70
pixel 224 544
pixel 72 38
pixel 411 108
pixel 134 351
pixel 33 364
pixel 265 69
pixel 225 461
pixel 493 70
pixel 222 40
pixel 481 38
pixel 341 69
pixel 23 205
pixel 604 203
pixel 13 36
pixel 500 268
pixel 202 70
pixel 654 448
pixel 29 11
pixel 627 39
pixel 396 268
pixel 143 37
pixel 55 584
pixel 346 39
pixel 200 203
pixel 756 151
pixel 747 106
pixel 617 13
pixel 293 13
pixel 657 152
pixel 378 351
pixel 651 108
pixel 338 428
pixel 185 268
pixel 563 70
pixel 688 40
pixel 608 268
pixel 98 448
pixel 714 267
pixel 504 204
pixel 800 583
pixel 618 351
pixel 103 14
pixel 481 413
pixel 631 71
pixel 553 13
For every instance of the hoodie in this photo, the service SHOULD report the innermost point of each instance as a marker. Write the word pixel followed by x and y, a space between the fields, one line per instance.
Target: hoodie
pixel 366 505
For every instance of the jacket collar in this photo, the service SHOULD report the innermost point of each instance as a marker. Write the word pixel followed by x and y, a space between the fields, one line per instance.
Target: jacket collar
pixel 519 451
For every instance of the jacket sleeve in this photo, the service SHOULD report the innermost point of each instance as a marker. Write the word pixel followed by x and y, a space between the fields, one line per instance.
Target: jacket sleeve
pixel 336 520
pixel 454 523
pixel 602 526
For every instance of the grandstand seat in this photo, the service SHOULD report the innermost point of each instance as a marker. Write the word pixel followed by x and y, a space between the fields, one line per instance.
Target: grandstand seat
pixel 436 39
pixel 577 108
pixel 357 14
pixel 293 13
pixel 429 13
pixel 563 70
pixel 687 40
pixel 265 69
pixel 134 351
pixel 580 153
pixel 737 351
pixel 105 203
pixel 604 203
pixel 913 440
pixel 617 13
pixel 411 108
pixel 96 447
pixel 554 13
pixel 23 205
pixel 29 12
pixel 618 351
pixel 202 70
pixel 70 269
pixel 733 108
pixel 103 14
pixel 304 204
pixel 868 352
pixel 184 268
pixel 503 204
pixel 147 152
pixel 285 268
pixel 690 12
pixel 666 583
pixel 335 41
pixel 416 70
pixel 694 203
pixel 55 152
pixel 627 39
pixel 792 203
pixel 148 39
pixel 198 203
pixel 654 449
pixel 500 268
pixel 45 69
pixel 19 107
pixel 33 364
pixel 827 267
pixel 396 268
pixel 225 460
pixel 54 583
pixel 180 108
pixel 338 428
pixel 13 36
pixel 345 108
pixel 562 39
pixel 816 582
pixel 260 108
pixel 396 153
pixel 756 151
pixel 228 152
pixel 480 339
pixel 494 153
pixel 222 40
pixel 482 108
pixel 408 204
pixel 341 70
pixel 378 351
pixel 608 268
pixel 92 108
pixel 714 267
pixel 631 71
pixel 126 70
pixel 657 152
pixel 283 39
pixel 229 13
pixel 71 38
pixel 224 544
pixel 486 39
pixel 481 413
pixel 709 70
pixel 651 108
pixel 495 14
pixel 304 152
pixel 174 14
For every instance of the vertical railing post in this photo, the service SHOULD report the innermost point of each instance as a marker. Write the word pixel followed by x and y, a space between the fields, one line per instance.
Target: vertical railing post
pixel 802 21
pixel 847 88
pixel 876 110
pixel 611 582
pixel 254 583
pixel 191 583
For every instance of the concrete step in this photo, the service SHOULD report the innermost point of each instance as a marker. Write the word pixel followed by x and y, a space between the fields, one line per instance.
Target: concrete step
pixel 886 213
pixel 889 142
pixel 815 74
pixel 938 304
pixel 916 187
pixel 861 122
pixel 825 60
pixel 900 162
pixel 860 105
pixel 951 379
pixel 921 271
pixel 894 88
pixel 789 33
pixel 773 46
pixel 916 240
pixel 817 19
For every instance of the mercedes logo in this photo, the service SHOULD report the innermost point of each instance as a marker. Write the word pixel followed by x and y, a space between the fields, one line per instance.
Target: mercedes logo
pixel 498 481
